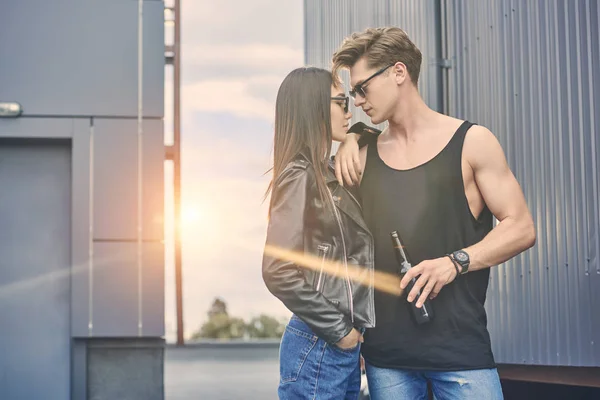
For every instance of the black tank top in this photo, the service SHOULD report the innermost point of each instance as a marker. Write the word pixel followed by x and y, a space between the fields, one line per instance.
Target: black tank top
pixel 427 205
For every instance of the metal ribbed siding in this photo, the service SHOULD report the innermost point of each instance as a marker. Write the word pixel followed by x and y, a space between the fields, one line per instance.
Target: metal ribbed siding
pixel 529 72
pixel 327 23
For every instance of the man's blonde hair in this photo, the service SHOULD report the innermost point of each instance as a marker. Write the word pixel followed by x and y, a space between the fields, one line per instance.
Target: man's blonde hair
pixel 380 47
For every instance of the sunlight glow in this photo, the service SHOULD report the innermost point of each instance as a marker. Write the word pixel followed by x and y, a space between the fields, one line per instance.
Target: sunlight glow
pixel 384 282
pixel 191 216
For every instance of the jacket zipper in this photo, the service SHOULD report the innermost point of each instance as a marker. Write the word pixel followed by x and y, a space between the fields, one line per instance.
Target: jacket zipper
pixel 372 269
pixel 354 198
pixel 323 249
pixel 349 288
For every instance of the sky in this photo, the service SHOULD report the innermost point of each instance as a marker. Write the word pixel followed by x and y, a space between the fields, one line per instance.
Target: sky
pixel 235 54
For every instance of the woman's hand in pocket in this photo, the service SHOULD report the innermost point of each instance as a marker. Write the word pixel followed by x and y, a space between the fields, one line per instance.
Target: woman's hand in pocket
pixel 351 340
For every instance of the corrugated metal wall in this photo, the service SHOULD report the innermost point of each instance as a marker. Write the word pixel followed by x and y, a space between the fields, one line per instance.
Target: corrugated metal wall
pixel 327 23
pixel 529 72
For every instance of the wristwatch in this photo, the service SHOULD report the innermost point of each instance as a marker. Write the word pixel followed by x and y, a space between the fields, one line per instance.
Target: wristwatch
pixel 462 259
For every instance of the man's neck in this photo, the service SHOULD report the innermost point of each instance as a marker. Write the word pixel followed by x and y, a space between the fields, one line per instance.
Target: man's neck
pixel 410 117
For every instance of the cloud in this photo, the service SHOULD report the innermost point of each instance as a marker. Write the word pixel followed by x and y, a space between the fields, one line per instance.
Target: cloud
pixel 242 79
pixel 239 21
pixel 265 89
pixel 236 39
pixel 250 97
pixel 223 184
pixel 226 95
pixel 222 249
pixel 221 145
pixel 235 54
pixel 237 71
pixel 241 56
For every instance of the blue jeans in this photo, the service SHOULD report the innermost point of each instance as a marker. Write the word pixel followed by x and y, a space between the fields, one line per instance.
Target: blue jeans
pixel 400 384
pixel 310 368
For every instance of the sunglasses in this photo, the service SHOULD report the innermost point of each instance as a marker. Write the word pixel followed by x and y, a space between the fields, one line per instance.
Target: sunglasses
pixel 360 89
pixel 345 99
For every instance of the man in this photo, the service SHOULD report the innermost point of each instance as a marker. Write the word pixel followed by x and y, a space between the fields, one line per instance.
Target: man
pixel 439 182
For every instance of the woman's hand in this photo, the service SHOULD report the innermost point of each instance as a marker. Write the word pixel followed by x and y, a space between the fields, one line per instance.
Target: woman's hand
pixel 351 340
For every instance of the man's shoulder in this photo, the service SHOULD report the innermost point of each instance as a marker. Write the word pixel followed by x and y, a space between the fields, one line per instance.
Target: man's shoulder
pixel 479 135
pixel 482 147
pixel 449 121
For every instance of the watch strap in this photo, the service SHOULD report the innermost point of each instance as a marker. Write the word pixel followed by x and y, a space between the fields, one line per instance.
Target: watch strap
pixel 455 264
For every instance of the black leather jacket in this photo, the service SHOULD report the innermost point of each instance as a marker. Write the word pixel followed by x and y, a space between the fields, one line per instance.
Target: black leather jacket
pixel 306 240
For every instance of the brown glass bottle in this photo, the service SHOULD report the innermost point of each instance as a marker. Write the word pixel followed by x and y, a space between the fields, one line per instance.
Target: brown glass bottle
pixel 420 315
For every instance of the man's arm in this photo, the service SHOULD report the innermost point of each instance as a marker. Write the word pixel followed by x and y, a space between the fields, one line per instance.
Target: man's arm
pixel 349 165
pixel 347 161
pixel 502 194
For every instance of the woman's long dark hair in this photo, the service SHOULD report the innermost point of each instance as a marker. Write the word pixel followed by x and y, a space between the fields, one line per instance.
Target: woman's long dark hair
pixel 303 122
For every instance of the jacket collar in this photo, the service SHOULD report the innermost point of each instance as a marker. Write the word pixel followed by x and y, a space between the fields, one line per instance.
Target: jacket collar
pixel 342 202
pixel 330 176
pixel 329 171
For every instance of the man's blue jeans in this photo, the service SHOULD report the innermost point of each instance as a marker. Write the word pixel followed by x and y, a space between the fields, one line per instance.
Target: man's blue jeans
pixel 310 368
pixel 401 384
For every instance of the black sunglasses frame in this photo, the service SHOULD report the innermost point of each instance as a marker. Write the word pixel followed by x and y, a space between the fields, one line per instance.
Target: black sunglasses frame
pixel 345 99
pixel 360 88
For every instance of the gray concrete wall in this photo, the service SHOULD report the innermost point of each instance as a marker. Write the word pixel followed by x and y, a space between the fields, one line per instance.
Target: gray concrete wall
pixel 72 65
pixel 34 268
pixel 125 369
pixel 69 57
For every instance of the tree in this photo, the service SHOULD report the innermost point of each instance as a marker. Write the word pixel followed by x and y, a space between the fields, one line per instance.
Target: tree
pixel 265 326
pixel 218 307
pixel 222 326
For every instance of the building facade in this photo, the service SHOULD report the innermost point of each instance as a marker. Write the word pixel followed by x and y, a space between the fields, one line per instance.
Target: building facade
pixel 81 205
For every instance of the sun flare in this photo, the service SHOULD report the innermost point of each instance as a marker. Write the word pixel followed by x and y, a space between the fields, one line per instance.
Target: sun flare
pixel 191 216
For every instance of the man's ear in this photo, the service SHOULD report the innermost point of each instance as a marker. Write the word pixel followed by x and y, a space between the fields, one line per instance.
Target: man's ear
pixel 401 72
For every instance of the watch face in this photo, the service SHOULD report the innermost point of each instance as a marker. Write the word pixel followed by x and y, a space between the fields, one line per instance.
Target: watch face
pixel 461 256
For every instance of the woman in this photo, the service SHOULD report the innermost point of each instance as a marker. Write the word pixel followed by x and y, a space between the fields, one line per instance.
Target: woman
pixel 319 254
